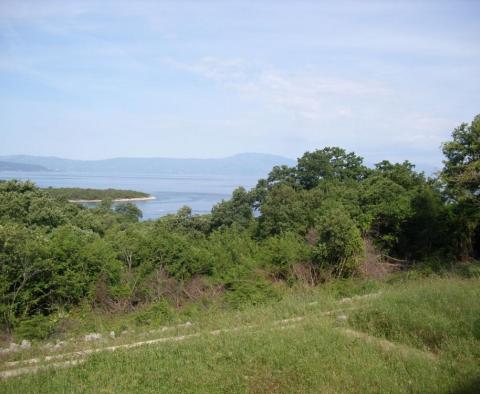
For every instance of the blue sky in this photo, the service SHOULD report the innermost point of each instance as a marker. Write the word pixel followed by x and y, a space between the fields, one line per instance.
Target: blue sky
pixel 199 78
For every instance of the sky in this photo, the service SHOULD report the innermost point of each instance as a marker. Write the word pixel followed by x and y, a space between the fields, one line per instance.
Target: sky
pixel 101 79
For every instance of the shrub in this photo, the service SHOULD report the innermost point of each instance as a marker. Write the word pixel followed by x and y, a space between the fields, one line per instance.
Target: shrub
pixel 279 254
pixel 35 327
pixel 250 291
pixel 160 312
pixel 340 244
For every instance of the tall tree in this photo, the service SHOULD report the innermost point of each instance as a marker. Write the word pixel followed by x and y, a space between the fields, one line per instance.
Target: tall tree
pixel 329 163
pixel 461 172
pixel 461 176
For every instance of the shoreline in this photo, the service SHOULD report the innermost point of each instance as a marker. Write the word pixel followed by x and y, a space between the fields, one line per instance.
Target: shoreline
pixel 117 199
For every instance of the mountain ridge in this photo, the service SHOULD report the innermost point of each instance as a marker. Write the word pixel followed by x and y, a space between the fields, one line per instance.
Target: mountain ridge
pixel 239 164
pixel 14 166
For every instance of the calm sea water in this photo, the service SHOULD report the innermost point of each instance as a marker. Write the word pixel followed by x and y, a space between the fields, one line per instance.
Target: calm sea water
pixel 171 191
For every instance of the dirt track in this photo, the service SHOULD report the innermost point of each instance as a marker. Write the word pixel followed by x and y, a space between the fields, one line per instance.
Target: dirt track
pixel 64 360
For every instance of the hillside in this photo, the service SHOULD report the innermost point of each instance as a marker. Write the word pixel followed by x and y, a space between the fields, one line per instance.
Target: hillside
pixel 398 336
pixel 14 166
pixel 327 276
pixel 252 164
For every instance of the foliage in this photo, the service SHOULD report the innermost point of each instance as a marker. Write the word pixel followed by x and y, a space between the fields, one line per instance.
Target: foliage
pixel 75 193
pixel 329 163
pixel 130 211
pixel 282 210
pixel 236 210
pixel 56 255
pixel 461 175
pixel 462 164
pixel 36 327
pixel 339 243
pixel 279 254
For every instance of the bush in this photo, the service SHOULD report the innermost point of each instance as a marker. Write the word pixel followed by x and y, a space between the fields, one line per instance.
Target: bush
pixel 279 254
pixel 250 291
pixel 159 313
pixel 340 245
pixel 36 327
pixel 232 254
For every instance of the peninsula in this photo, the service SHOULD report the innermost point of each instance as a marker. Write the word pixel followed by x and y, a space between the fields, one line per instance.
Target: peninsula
pixel 81 195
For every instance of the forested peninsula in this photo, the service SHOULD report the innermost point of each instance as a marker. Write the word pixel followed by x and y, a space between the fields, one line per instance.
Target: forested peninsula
pixel 75 194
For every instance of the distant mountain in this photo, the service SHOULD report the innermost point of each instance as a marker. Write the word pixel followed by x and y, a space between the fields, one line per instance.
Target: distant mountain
pixel 255 164
pixel 14 166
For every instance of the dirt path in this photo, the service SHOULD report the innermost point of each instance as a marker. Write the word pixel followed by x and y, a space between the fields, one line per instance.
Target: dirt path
pixel 64 360
pixel 45 362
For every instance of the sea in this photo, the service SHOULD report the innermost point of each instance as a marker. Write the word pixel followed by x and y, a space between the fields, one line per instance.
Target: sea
pixel 171 191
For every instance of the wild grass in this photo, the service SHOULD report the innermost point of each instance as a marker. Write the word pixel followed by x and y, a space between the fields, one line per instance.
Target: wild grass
pixel 425 314
pixel 437 315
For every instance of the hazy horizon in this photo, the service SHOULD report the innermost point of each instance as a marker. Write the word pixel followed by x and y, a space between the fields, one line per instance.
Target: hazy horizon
pixel 152 157
pixel 89 80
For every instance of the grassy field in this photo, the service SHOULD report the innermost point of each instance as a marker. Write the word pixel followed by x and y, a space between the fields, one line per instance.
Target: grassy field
pixel 416 335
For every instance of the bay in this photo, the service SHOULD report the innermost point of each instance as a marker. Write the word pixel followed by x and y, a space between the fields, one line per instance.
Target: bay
pixel 171 191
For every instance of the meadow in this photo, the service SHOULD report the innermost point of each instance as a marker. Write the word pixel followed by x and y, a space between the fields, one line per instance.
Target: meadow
pixel 403 334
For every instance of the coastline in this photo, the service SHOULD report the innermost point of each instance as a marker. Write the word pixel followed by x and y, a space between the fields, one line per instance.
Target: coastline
pixel 117 199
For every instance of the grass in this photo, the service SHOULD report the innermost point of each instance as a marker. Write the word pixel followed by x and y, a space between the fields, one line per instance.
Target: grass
pixel 313 355
pixel 426 314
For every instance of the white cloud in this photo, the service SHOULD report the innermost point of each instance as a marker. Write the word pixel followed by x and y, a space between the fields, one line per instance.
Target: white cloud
pixel 304 94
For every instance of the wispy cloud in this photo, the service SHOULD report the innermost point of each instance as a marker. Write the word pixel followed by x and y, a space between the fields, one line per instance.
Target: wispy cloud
pixel 387 77
pixel 424 131
pixel 305 94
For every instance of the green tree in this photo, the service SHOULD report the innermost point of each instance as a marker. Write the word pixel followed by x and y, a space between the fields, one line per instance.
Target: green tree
pixel 461 175
pixel 283 174
pixel 186 222
pixel 339 243
pixel 403 174
pixel 283 210
pixel 461 171
pixel 425 232
pixel 329 163
pixel 236 210
pixel 129 211
pixel 387 207
pixel 23 254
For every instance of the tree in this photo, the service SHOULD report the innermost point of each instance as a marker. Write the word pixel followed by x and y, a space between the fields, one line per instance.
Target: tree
pixel 283 210
pixel 105 204
pixel 461 171
pixel 339 243
pixel 186 222
pixel 424 233
pixel 461 176
pixel 283 174
pixel 236 210
pixel 387 205
pixel 329 163
pixel 403 174
pixel 23 262
pixel 130 211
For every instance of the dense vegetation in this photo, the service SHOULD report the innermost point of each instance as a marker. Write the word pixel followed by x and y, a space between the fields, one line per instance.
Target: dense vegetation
pixel 306 223
pixel 75 193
